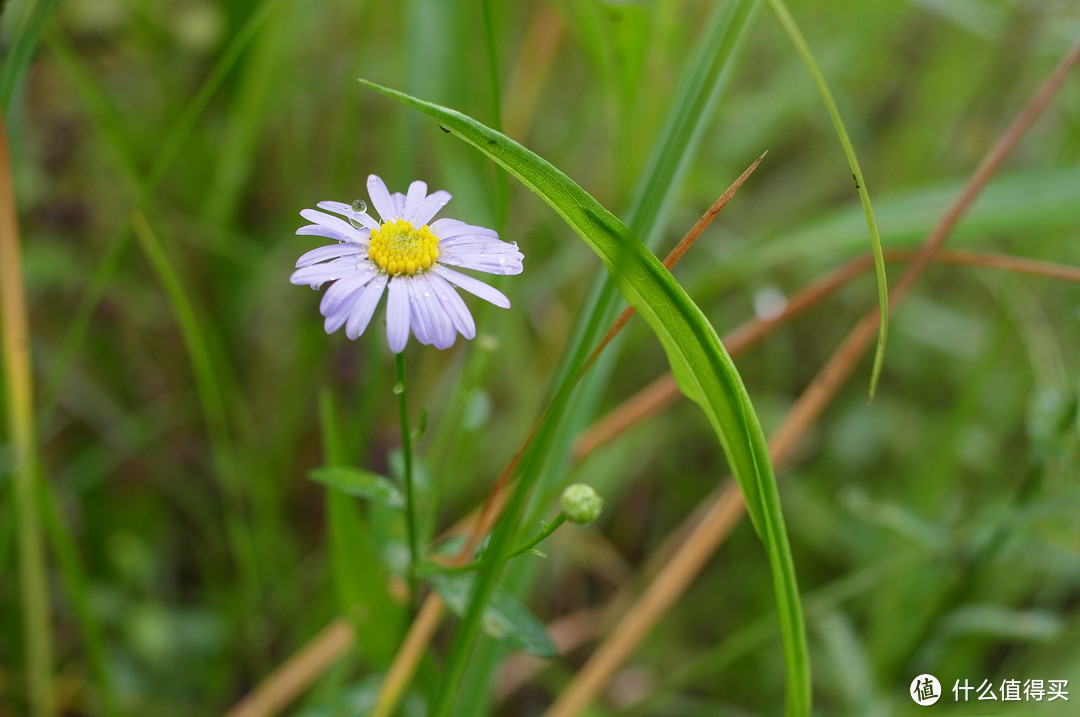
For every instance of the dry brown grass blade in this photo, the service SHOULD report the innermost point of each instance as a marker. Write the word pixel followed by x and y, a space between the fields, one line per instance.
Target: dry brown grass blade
pixel 297 672
pixel 707 536
pixel 674 255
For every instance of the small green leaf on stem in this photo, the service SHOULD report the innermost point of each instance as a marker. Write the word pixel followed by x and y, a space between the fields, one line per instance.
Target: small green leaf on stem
pixel 505 619
pixel 360 483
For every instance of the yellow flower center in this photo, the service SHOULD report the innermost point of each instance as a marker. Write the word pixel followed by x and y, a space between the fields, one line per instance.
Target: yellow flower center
pixel 398 248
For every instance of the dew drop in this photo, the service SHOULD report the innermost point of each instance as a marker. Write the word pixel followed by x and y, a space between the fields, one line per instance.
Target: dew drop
pixel 359 206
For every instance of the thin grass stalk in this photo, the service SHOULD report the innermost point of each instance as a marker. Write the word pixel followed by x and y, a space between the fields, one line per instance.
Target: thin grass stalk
pixel 33 578
pixel 170 149
pixel 208 388
pixel 723 513
pixel 792 29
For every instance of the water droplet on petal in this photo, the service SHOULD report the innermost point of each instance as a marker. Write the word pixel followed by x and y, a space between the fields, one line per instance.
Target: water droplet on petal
pixel 359 206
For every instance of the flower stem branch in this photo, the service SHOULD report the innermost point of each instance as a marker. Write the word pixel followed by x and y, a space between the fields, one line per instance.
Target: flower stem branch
pixel 525 547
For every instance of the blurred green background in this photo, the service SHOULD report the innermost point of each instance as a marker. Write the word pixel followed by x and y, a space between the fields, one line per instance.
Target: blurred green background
pixel 934 530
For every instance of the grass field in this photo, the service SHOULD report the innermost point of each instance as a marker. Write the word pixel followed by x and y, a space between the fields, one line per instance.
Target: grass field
pixel 164 549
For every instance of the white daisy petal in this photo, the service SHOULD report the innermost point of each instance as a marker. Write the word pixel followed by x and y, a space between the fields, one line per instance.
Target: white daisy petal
pixel 429 208
pixel 399 204
pixel 346 211
pixel 380 197
pixel 337 296
pixel 331 222
pixel 341 208
pixel 337 312
pixel 450 228
pixel 493 260
pixel 453 305
pixel 397 314
pixel 440 327
pixel 318 274
pixel 322 253
pixel 419 319
pixel 473 286
pixel 316 230
pixel 413 200
pixel 363 306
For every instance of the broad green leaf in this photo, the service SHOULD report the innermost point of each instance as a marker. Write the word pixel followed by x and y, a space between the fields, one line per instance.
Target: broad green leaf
pixel 360 483
pixel 505 619
pixel 702 368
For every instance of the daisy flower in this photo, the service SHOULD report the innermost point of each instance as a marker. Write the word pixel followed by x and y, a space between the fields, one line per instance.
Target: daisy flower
pixel 406 257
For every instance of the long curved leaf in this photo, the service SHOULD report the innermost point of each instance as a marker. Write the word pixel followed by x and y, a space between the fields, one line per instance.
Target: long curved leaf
pixel 702 368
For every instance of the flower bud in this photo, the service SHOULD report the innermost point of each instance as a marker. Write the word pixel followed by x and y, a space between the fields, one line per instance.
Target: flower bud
pixel 580 503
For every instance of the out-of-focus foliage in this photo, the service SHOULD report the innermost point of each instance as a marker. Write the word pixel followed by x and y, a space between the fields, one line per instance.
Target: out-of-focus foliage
pixel 933 530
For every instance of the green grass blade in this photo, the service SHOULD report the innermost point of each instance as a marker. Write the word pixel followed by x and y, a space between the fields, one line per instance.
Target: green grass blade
pixel 358 575
pixel 22 50
pixel 174 141
pixel 25 465
pixel 702 368
pixel 803 49
pixel 712 68
pixel 77 588
pixel 208 387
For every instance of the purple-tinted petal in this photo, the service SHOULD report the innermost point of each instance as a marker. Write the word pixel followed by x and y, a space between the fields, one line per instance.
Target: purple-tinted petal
pixel 363 306
pixel 494 258
pixel 331 222
pixel 419 315
pixel 380 198
pixel 453 305
pixel 360 236
pixel 322 253
pixel 397 315
pixel 318 274
pixel 399 204
pixel 336 207
pixel 429 208
pixel 473 286
pixel 413 200
pixel 337 296
pixel 443 332
pixel 449 228
pixel 346 211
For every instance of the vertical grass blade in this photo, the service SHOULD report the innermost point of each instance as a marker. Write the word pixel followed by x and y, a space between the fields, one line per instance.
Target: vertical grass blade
pixel 33 582
pixel 803 49
pixel 208 387
pixel 25 40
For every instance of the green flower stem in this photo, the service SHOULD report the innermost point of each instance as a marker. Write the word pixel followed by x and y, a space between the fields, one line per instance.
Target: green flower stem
pixel 406 450
pixel 547 530
pixel 525 547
